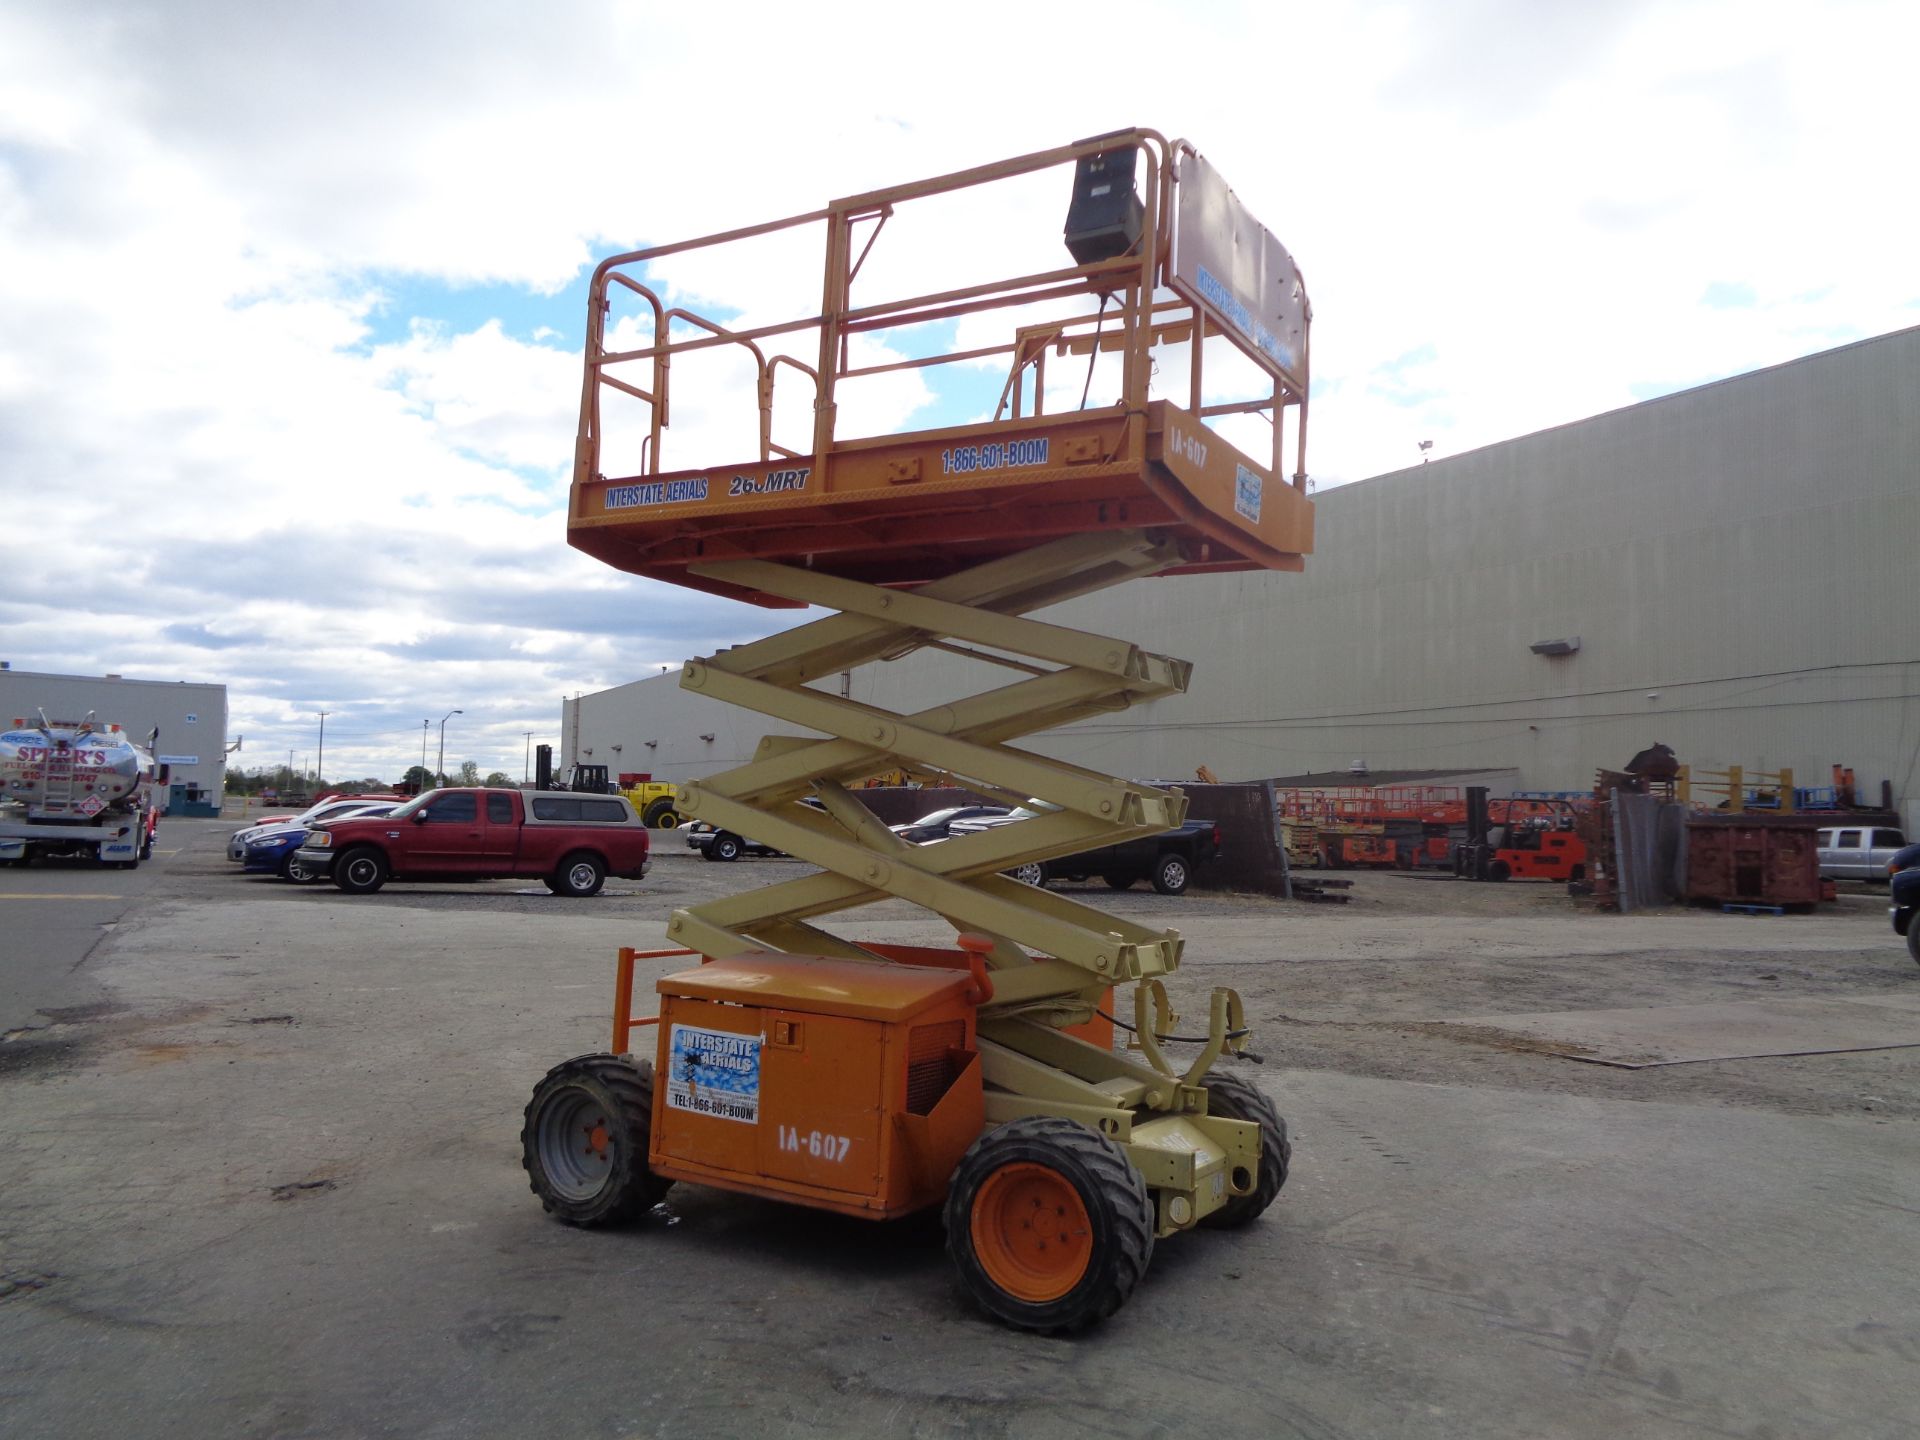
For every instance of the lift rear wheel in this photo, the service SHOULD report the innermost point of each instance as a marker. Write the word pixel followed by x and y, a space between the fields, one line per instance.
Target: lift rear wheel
pixel 1048 1227
pixel 584 1143
pixel 1232 1098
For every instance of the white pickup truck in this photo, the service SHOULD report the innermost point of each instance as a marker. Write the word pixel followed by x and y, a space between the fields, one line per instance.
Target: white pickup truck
pixel 1858 852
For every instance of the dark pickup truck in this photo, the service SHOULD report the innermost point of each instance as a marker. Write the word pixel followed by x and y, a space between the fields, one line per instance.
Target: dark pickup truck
pixel 571 842
pixel 1167 859
pixel 1903 876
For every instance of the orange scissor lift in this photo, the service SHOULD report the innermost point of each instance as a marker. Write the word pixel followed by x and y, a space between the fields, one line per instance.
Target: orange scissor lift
pixel 881 1080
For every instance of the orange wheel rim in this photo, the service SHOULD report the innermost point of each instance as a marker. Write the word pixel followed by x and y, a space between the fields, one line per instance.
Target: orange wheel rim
pixel 1031 1232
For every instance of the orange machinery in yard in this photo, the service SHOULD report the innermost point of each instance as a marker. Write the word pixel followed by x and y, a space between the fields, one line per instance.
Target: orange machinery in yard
pixel 1520 839
pixel 814 1066
pixel 1405 827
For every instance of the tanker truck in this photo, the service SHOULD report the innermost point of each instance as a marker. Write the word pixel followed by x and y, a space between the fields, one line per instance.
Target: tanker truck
pixel 78 789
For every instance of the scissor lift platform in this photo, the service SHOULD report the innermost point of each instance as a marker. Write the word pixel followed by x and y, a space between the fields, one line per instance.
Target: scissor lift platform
pixel 907 509
pixel 949 538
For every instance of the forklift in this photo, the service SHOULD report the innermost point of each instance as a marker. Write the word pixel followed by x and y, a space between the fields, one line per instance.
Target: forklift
pixel 978 1080
pixel 1535 840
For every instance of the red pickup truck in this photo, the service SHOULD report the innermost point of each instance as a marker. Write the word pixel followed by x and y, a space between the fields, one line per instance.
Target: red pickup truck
pixel 572 842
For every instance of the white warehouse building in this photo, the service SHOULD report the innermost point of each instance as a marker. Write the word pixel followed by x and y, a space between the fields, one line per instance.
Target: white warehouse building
pixel 1731 570
pixel 190 716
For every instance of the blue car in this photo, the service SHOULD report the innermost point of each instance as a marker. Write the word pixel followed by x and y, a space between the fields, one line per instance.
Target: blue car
pixel 271 848
pixel 1904 886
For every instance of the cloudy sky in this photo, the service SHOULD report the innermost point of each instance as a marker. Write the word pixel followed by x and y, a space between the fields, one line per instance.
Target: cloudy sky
pixel 291 295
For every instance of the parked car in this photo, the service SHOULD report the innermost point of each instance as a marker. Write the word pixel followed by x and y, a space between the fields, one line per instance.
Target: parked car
pixel 713 843
pixel 1168 859
pixel 1903 877
pixel 934 826
pixel 336 807
pixel 570 842
pixel 1857 852
pixel 275 848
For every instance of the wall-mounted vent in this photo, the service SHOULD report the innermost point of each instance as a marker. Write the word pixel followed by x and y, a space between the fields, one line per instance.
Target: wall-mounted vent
pixel 1556 647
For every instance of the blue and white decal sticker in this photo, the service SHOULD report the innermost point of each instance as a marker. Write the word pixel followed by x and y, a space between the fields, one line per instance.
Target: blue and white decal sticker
pixel 714 1072
pixel 656 492
pixel 1000 455
pixel 1247 485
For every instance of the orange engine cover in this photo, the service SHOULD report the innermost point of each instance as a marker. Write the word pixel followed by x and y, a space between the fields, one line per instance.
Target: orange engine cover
pixel 843 1084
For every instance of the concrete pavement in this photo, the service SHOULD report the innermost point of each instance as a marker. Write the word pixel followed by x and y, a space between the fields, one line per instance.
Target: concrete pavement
pixel 276 1191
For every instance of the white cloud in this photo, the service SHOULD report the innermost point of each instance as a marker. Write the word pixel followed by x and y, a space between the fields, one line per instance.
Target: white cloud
pixel 1509 216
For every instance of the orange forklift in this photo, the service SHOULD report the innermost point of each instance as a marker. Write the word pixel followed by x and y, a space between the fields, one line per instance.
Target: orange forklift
pixel 1535 841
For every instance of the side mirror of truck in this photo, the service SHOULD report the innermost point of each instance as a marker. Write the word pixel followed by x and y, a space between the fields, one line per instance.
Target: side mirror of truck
pixel 419 817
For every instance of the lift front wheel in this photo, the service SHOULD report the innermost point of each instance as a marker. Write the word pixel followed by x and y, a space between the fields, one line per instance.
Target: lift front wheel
pixel 1048 1227
pixel 1232 1098
pixel 584 1144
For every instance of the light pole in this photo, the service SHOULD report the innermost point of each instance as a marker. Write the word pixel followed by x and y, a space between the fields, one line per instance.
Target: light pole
pixel 526 765
pixel 440 770
pixel 425 725
pixel 321 768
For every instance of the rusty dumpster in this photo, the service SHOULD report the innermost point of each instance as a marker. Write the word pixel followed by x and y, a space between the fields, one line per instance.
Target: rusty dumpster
pixel 1753 860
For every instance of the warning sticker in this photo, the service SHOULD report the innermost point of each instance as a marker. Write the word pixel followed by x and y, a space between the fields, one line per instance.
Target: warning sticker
pixel 714 1072
pixel 1247 485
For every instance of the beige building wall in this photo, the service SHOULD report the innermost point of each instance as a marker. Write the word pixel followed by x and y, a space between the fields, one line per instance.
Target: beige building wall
pixel 1740 564
pixel 190 716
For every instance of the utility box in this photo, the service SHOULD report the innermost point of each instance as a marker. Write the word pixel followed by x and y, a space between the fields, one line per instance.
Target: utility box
pixel 1753 862
pixel 852 1085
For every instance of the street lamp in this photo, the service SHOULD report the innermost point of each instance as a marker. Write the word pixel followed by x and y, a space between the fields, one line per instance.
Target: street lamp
pixel 441 768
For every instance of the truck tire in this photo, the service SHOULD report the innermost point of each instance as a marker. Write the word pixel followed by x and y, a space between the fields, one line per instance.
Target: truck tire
pixel 1119 882
pixel 724 846
pixel 1233 1098
pixel 361 871
pixel 661 815
pixel 1032 873
pixel 1913 936
pixel 1171 875
pixel 580 875
pixel 1499 870
pixel 584 1143
pixel 1048 1227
